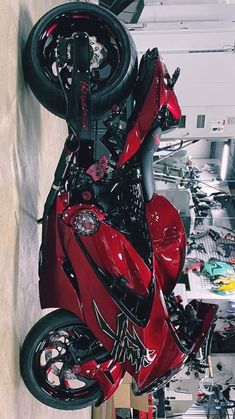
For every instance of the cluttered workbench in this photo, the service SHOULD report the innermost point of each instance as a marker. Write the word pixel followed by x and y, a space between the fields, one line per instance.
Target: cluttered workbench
pixel 209 264
pixel 211 243
pixel 207 210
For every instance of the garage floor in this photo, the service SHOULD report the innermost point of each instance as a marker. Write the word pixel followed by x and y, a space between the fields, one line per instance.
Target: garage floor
pixel 31 141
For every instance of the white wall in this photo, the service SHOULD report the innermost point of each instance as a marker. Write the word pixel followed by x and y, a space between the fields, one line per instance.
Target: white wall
pixel 200 150
pixel 172 11
pixel 206 85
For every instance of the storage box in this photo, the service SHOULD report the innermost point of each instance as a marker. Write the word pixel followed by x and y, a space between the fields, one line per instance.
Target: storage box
pixel 106 411
pixel 123 398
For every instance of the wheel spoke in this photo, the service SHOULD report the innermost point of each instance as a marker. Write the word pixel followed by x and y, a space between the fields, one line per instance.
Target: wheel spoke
pixel 56 362
pixel 62 376
pixel 52 361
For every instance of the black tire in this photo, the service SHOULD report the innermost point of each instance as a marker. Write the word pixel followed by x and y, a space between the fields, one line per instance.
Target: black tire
pixel 51 383
pixel 62 21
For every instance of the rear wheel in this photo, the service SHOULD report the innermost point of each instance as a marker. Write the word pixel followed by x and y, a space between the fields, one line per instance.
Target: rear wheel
pixel 49 365
pixel 113 64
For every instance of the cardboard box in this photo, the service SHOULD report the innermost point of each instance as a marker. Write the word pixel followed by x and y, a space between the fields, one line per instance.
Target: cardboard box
pixel 106 411
pixel 127 379
pixel 122 398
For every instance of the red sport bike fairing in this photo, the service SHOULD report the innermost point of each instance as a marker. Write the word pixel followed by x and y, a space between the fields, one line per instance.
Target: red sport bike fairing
pixel 112 249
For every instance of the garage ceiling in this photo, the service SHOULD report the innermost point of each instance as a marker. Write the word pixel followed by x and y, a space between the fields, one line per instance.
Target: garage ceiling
pixel 131 14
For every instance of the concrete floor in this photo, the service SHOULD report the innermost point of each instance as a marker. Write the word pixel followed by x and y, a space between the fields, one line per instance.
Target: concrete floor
pixel 30 143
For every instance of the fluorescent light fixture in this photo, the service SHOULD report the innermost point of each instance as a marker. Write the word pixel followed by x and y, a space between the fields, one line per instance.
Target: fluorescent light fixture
pixel 225 160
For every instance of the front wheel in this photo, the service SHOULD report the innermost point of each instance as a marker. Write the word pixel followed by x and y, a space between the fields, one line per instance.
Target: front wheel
pixel 49 366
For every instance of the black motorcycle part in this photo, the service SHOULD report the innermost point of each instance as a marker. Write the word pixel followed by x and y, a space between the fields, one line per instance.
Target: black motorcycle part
pixel 149 148
pixel 115 68
pixel 119 5
pixel 53 347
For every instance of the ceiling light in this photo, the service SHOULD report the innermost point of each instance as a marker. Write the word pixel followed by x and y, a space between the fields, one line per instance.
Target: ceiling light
pixel 225 160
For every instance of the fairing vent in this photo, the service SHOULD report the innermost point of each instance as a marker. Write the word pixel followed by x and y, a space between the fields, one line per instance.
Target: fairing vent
pixel 135 306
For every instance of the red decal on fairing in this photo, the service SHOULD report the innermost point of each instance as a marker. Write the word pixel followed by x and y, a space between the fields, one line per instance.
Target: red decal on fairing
pixel 98 169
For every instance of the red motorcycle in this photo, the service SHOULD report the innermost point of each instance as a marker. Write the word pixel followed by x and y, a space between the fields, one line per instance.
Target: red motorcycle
pixel 112 249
